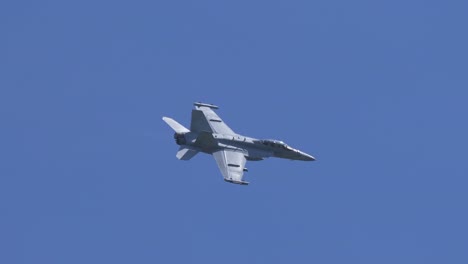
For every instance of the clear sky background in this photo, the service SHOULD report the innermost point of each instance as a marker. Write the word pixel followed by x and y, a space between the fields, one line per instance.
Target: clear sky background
pixel 375 90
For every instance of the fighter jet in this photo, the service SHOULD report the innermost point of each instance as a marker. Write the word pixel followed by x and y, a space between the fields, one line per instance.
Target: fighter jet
pixel 209 134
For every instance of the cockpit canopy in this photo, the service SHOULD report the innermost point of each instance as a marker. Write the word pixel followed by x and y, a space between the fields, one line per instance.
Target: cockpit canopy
pixel 275 143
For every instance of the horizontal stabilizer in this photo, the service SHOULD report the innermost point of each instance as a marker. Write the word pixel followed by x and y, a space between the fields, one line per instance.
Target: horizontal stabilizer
pixel 175 125
pixel 186 153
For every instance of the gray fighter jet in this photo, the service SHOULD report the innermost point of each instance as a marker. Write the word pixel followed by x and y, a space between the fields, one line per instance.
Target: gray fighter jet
pixel 209 134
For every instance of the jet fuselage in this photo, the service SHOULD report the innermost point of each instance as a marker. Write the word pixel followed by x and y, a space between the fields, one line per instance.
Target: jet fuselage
pixel 253 149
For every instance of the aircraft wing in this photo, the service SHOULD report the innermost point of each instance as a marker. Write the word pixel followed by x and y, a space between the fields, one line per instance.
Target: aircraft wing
pixel 205 119
pixel 231 164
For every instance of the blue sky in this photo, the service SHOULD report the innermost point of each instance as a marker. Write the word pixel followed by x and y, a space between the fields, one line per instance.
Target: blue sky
pixel 376 91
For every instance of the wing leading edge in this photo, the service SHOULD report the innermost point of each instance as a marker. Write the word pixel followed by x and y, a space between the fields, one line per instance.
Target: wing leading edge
pixel 231 164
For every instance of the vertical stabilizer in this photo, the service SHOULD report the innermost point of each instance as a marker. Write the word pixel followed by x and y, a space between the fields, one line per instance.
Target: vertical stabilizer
pixel 178 128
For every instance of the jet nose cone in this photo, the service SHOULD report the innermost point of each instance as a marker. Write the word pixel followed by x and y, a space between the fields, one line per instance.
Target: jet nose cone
pixel 309 157
pixel 305 156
